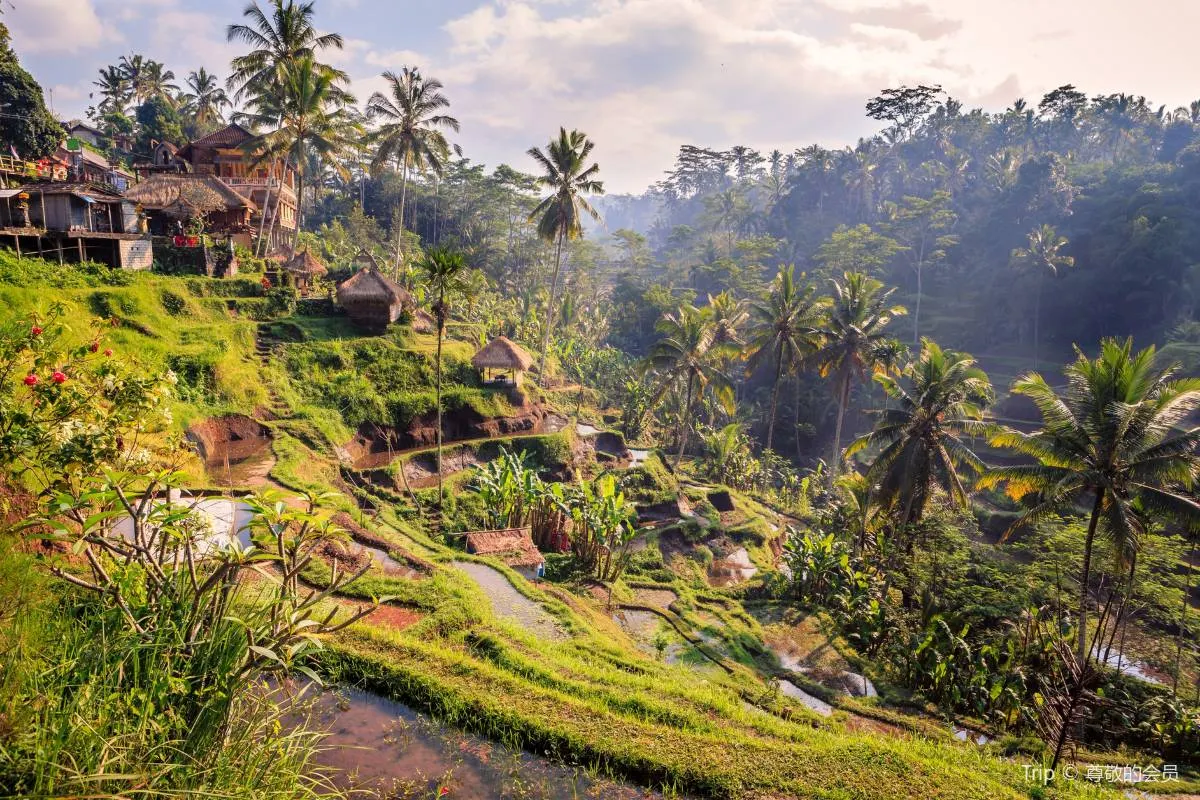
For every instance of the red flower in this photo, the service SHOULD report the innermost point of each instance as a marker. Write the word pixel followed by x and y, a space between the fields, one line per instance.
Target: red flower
pixel 59 377
pixel 31 380
pixel 94 347
pixel 35 330
pixel 108 351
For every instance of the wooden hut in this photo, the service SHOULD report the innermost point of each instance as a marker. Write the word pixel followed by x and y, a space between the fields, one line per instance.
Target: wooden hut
pixel 513 546
pixel 170 197
pixel 505 356
pixel 304 267
pixel 372 299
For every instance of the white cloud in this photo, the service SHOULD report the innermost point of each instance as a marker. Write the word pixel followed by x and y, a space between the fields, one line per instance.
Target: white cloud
pixel 58 27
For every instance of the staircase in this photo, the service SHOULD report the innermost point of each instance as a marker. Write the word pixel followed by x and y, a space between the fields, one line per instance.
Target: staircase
pixel 266 344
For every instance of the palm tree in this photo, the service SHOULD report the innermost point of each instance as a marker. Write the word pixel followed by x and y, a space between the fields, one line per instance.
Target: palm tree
pixel 559 216
pixel 114 91
pixel 303 122
pixel 853 340
pixel 1042 255
pixel 205 98
pixel 411 132
pixel 443 270
pixel 279 41
pixel 785 330
pixel 1111 440
pixel 922 439
pixel 689 353
pixel 147 78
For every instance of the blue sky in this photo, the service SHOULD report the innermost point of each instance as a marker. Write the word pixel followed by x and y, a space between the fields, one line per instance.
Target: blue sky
pixel 642 77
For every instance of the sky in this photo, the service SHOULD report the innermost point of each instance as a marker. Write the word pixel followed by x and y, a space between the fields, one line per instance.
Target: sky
pixel 642 77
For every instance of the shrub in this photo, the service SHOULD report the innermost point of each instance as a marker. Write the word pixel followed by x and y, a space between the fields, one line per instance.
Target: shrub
pixel 174 304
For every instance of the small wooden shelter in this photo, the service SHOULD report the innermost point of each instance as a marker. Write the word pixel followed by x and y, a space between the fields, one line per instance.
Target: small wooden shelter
pixel 170 197
pixel 503 355
pixel 372 299
pixel 513 546
pixel 304 267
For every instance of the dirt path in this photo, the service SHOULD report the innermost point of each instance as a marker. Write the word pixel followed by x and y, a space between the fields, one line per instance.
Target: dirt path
pixel 508 603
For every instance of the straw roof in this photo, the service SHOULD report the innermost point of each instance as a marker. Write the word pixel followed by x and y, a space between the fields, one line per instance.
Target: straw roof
pixel 180 192
pixel 502 353
pixel 514 546
pixel 305 263
pixel 368 285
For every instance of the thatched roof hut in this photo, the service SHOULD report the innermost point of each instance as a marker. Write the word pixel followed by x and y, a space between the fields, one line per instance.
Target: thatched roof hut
pixel 372 299
pixel 305 264
pixel 503 355
pixel 182 196
pixel 513 546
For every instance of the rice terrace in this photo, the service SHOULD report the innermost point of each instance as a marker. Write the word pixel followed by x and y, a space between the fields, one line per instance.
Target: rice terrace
pixel 605 399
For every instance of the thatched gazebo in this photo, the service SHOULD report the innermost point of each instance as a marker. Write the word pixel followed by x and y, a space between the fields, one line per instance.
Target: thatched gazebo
pixel 304 267
pixel 168 197
pixel 503 355
pixel 372 299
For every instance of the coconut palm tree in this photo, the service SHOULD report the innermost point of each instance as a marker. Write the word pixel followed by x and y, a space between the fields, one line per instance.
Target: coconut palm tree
pixel 1042 255
pixel 278 41
pixel 567 176
pixel 411 134
pixel 688 353
pixel 1116 437
pixel 301 115
pixel 444 275
pixel 147 79
pixel 205 98
pixel 922 439
pixel 114 91
pixel 854 340
pixel 785 330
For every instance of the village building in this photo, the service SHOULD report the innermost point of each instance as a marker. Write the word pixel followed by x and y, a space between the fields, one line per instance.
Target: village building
pixel 81 131
pixel 85 165
pixel 74 222
pixel 270 187
pixel 373 300
pixel 172 200
pixel 504 356
pixel 514 547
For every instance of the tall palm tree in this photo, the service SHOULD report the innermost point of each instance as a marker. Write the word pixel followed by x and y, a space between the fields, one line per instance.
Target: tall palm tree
pixel 114 91
pixel 688 353
pixel 443 269
pixel 785 330
pixel 147 78
pixel 205 98
pixel 303 121
pixel 1113 439
pixel 854 340
pixel 1042 255
pixel 922 438
pixel 567 176
pixel 411 134
pixel 278 41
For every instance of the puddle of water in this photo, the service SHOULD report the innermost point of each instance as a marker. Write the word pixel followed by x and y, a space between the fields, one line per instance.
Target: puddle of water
pixel 638 458
pixel 585 430
pixel 553 423
pixel 250 471
pixel 659 598
pixel 508 603
pixel 1134 669
pixel 858 685
pixel 380 746
pixel 796 693
pixel 223 521
pixel 965 735
pixel 640 625
pixel 734 568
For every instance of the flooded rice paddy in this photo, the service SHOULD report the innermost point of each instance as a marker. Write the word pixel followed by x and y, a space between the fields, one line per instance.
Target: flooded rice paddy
pixel 508 603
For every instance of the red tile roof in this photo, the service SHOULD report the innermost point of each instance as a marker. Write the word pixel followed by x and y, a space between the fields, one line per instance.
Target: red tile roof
pixel 514 546
pixel 230 136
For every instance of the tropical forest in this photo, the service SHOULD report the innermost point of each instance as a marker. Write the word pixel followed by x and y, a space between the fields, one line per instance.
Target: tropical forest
pixel 337 463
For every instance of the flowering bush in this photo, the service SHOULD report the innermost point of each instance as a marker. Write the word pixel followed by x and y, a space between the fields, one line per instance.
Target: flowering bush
pixel 67 411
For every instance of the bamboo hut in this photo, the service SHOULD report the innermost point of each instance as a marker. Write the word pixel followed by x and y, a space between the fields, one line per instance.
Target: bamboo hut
pixel 170 197
pixel 304 267
pixel 503 355
pixel 373 300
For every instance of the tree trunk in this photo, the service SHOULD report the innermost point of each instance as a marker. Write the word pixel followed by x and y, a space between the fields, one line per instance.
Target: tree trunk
pixel 1037 317
pixel 796 420
pixel 774 403
pixel 917 312
pixel 1085 578
pixel 299 210
pixel 441 323
pixel 843 400
pixel 262 222
pixel 684 421
pixel 550 310
pixel 400 216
